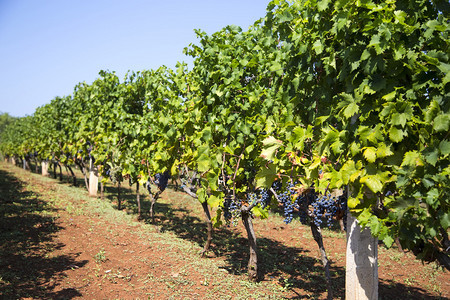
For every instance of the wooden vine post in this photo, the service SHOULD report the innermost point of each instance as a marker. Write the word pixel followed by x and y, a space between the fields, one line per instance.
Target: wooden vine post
pixel 45 168
pixel 93 179
pixel 361 273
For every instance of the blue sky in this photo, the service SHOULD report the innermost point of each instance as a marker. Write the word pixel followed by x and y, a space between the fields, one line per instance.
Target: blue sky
pixel 48 46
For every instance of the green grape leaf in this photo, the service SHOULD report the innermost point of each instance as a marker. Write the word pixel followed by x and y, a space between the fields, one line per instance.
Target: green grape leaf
pixel 270 147
pixel 202 196
pixel 266 176
pixel 441 122
pixel 388 241
pixel 203 163
pixel 396 135
pixel 373 182
pixel 259 212
pixel 444 147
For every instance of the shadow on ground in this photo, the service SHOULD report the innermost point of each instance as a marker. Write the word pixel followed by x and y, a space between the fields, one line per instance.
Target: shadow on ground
pixel 293 267
pixel 27 267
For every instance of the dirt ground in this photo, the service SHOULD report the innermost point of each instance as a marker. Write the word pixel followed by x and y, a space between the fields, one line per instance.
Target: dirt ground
pixel 58 243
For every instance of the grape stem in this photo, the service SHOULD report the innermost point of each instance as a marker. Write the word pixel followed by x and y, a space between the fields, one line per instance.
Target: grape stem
pixel 274 194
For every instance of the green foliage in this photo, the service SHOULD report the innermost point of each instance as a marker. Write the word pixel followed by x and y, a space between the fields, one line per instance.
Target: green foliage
pixel 332 93
pixel 5 121
pixel 372 78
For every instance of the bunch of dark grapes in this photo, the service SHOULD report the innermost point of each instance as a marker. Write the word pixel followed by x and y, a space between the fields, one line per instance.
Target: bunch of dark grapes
pixel 291 187
pixel 231 210
pixel 161 180
pixel 32 155
pixel 89 149
pixel 309 204
pixel 342 207
pixel 324 206
pixel 303 202
pixel 330 210
pixel 277 185
pixel 288 206
pixel 318 210
pixel 252 198
pixel 264 198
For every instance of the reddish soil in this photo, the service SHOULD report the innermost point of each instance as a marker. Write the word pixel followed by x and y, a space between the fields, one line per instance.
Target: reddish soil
pixel 51 249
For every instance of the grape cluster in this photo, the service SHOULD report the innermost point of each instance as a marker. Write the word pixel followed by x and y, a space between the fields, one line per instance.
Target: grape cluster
pixel 161 180
pixel 342 207
pixel 89 148
pixel 264 198
pixel 31 155
pixel 289 202
pixel 231 210
pixel 309 204
pixel 277 185
pixel 285 199
pixel 288 206
pixel 323 206
pixel 303 203
pixel 327 207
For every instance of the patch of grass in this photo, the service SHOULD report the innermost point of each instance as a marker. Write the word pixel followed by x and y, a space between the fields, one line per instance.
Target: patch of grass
pixel 100 257
pixel 395 255
pixel 332 233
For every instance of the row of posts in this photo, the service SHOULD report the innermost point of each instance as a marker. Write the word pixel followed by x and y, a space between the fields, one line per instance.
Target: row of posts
pixel 93 176
pixel 361 273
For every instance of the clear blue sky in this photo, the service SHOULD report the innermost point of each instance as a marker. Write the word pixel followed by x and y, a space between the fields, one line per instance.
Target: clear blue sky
pixel 48 46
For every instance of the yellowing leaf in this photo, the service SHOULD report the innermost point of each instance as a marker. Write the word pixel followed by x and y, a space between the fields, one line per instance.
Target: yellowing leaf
pixel 384 150
pixel 390 96
pixel 174 168
pixel 352 202
pixel 347 170
pixel 355 175
pixel 269 152
pixel 315 163
pixel 351 110
pixel 370 154
pixel 142 178
pixel 412 158
pixel 213 201
pixel 271 141
pixel 373 182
